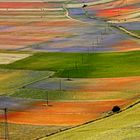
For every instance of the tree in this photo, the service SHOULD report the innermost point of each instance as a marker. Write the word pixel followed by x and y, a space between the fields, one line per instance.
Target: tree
pixel 116 109
pixel 84 6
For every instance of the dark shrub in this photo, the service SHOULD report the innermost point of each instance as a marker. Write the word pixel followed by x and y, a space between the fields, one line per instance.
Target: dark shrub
pixel 84 6
pixel 116 109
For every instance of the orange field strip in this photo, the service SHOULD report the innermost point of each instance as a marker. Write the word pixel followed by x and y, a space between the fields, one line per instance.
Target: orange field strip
pixel 115 11
pixel 63 113
pixel 128 45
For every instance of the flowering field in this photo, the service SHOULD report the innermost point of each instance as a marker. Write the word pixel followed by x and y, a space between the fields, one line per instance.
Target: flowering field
pixel 14 79
pixel 67 62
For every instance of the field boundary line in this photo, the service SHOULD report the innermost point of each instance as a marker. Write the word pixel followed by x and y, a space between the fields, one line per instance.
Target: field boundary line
pixel 126 31
pixel 69 17
pixel 114 26
pixel 34 81
pixel 46 77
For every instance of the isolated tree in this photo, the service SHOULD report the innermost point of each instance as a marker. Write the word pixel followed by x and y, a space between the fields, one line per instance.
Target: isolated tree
pixel 116 109
pixel 84 6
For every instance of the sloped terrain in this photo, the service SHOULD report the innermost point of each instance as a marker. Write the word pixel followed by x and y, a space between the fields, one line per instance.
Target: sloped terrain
pixel 67 62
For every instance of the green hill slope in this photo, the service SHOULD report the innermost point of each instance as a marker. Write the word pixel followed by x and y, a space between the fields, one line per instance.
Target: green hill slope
pixel 82 64
pixel 122 126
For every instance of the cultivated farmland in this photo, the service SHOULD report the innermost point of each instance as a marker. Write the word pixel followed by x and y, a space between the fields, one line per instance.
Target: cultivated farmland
pixel 82 65
pixel 123 124
pixel 14 79
pixel 67 63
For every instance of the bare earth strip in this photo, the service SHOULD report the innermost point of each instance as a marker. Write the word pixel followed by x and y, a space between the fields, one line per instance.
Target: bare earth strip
pixel 7 58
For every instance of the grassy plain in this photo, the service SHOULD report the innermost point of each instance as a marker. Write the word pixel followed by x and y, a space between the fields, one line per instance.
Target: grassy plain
pixel 81 65
pixel 28 132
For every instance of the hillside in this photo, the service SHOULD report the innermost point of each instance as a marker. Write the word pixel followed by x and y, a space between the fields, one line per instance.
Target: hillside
pixel 125 125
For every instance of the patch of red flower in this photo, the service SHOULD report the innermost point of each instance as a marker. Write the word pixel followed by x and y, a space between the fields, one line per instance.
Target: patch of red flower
pixel 114 12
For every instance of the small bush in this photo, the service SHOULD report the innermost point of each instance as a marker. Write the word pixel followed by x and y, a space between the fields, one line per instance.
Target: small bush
pixel 84 6
pixel 116 109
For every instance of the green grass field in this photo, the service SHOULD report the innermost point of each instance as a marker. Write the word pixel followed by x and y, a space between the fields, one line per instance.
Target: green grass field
pixel 82 64
pixel 122 126
pixel 28 132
